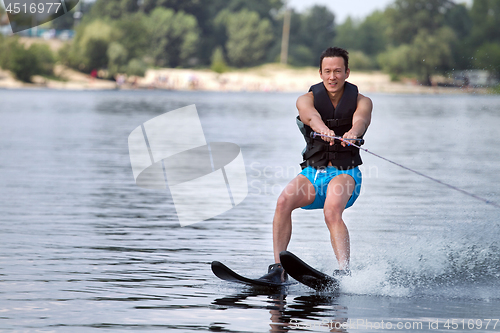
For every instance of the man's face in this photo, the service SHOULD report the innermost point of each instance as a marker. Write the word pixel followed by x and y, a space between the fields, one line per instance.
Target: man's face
pixel 334 74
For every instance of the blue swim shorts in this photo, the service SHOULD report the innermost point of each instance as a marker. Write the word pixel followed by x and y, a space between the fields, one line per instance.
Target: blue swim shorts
pixel 321 177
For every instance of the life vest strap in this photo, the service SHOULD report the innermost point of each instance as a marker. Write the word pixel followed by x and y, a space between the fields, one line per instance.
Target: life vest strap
pixel 338 122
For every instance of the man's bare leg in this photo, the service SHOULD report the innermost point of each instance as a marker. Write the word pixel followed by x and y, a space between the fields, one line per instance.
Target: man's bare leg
pixel 338 194
pixel 298 193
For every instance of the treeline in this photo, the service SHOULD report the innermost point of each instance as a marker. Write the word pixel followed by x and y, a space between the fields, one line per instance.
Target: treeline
pixel 410 37
pixel 426 37
pixel 122 35
pixel 24 62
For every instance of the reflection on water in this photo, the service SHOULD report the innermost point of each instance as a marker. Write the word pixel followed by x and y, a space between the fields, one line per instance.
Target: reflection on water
pixel 84 249
pixel 304 312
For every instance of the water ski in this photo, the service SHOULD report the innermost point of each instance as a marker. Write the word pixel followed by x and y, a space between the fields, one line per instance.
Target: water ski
pixel 225 273
pixel 305 274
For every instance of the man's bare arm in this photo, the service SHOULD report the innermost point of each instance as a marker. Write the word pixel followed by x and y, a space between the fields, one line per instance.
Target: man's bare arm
pixel 361 118
pixel 311 117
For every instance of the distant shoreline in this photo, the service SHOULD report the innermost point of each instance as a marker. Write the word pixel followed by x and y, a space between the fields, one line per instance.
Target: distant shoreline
pixel 265 78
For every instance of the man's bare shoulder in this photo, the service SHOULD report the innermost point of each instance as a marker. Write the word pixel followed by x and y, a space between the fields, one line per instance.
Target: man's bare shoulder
pixel 364 102
pixel 364 98
pixel 307 95
pixel 305 100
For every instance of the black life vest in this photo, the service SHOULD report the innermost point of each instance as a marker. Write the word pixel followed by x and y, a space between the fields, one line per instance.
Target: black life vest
pixel 318 153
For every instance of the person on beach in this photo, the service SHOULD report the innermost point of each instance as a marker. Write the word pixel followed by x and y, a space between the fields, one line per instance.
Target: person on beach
pixel 330 178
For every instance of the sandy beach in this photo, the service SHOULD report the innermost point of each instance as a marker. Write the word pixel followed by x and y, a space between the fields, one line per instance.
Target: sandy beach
pixel 266 78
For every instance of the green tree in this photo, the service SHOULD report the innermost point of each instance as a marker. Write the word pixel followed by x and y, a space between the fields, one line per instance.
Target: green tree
pixel 458 18
pixel 88 50
pixel 136 67
pixel 248 37
pixel 173 37
pixel 364 39
pixel 2 48
pixel 485 16
pixel 218 62
pixel 360 61
pixel 301 55
pixel 429 29
pixel 114 8
pixel 396 60
pixel 93 45
pixel 212 34
pixel 45 58
pixel 117 57
pixel 372 34
pixel 205 9
pixel 407 17
pixel 133 34
pixel 347 35
pixel 317 30
pixel 24 62
pixel 7 45
pixel 488 57
pixel 159 27
pixel 96 44
pixel 311 33
pixel 431 53
pixel 262 7
pixel 298 53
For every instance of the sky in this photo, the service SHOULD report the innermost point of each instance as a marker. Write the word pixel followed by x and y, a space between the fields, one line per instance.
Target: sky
pixel 343 8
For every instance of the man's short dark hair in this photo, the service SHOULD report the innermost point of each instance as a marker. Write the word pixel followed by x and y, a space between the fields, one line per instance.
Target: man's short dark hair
pixel 334 52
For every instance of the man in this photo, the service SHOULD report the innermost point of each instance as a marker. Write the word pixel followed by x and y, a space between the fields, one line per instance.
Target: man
pixel 330 178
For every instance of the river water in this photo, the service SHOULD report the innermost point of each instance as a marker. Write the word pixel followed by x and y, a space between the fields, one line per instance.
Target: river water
pixel 84 249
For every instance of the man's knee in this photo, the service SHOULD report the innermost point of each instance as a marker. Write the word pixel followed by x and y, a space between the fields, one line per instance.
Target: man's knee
pixel 333 214
pixel 284 203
